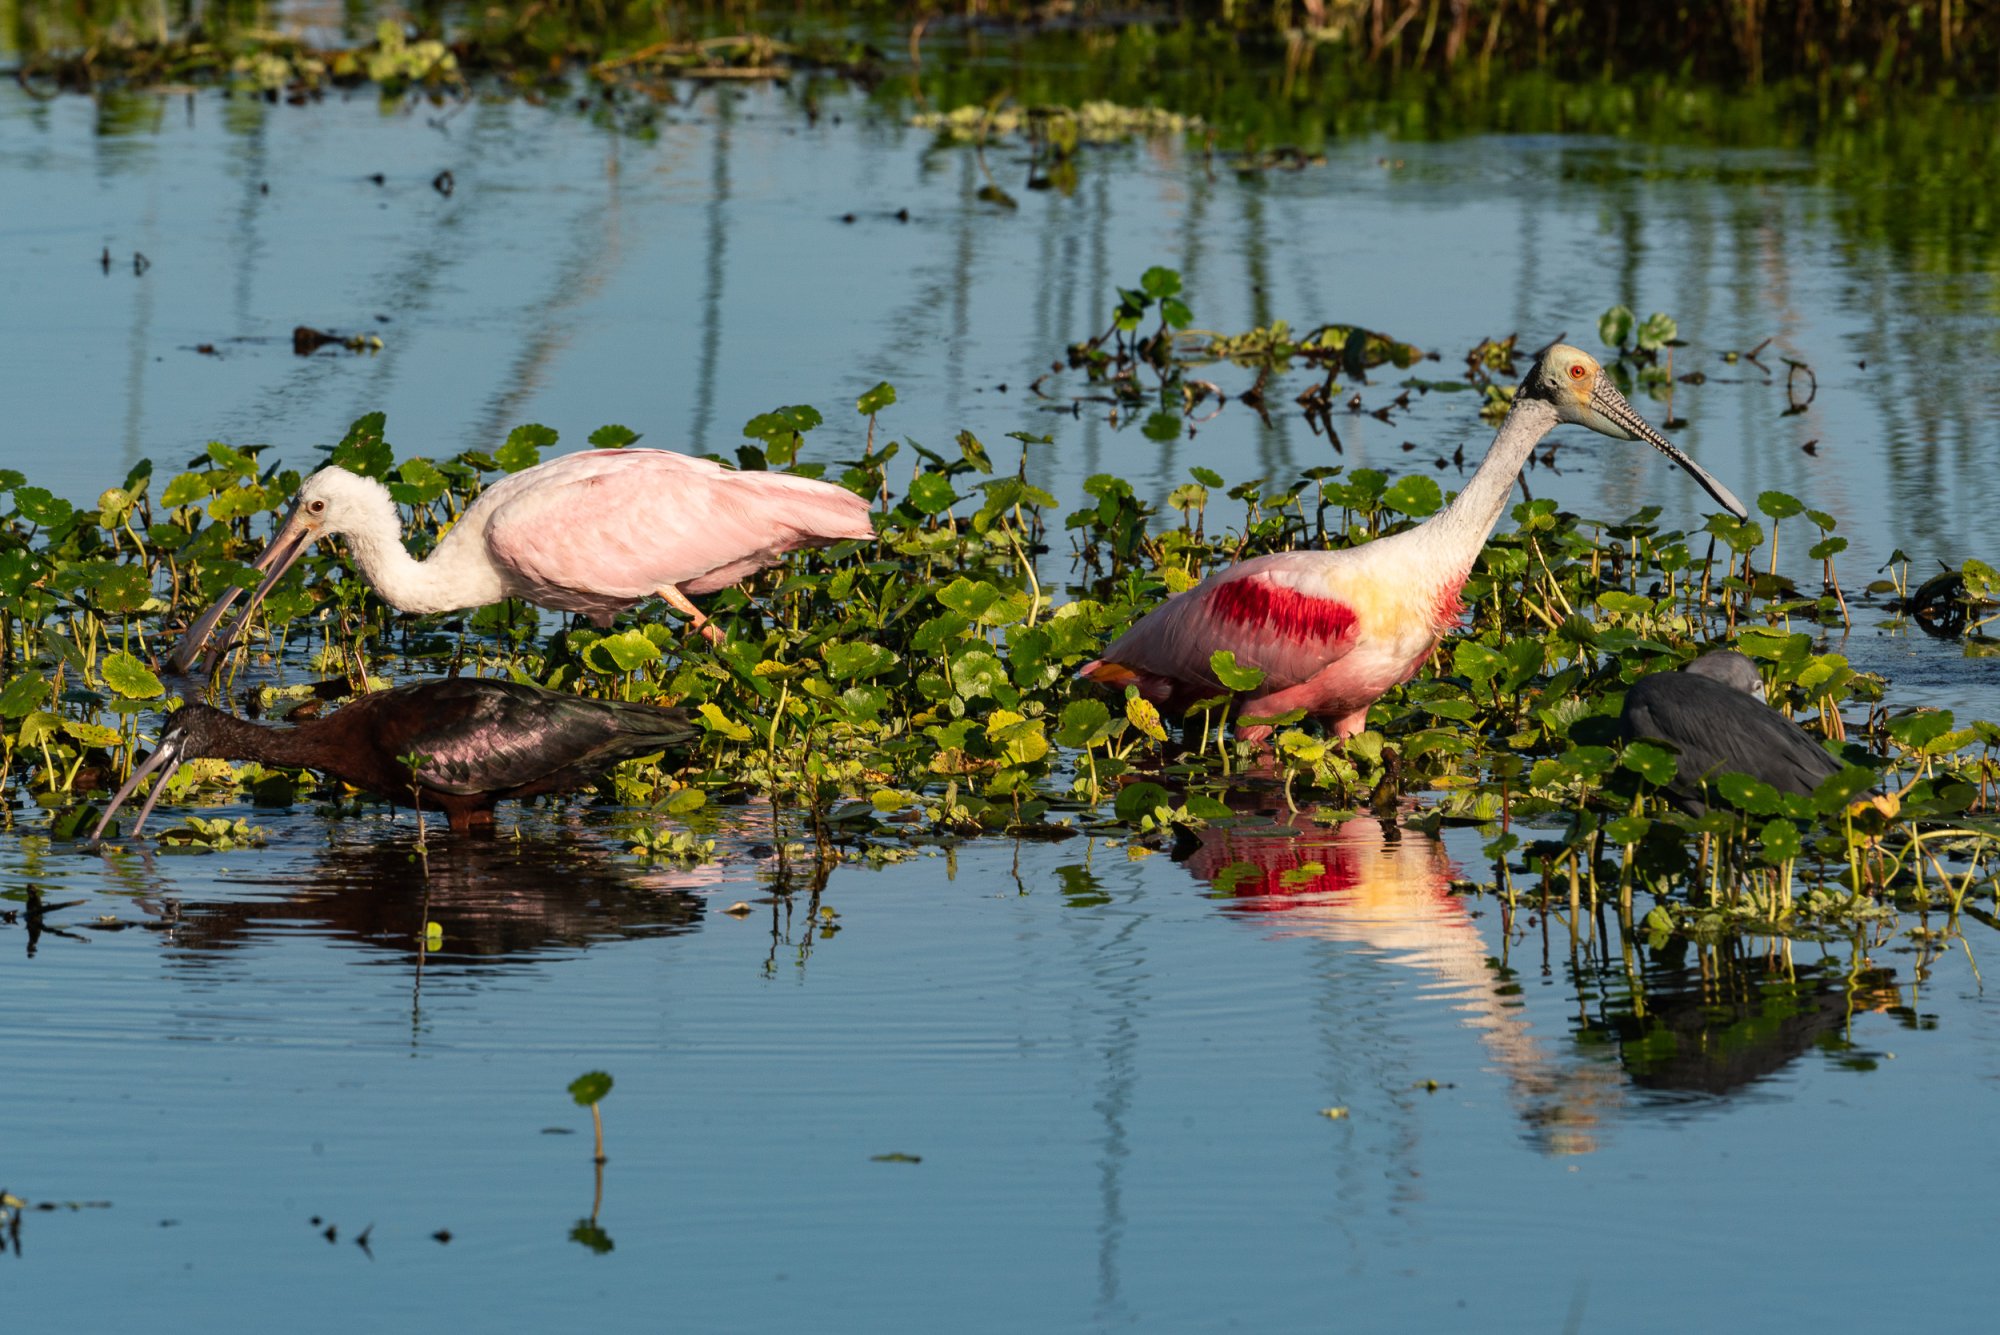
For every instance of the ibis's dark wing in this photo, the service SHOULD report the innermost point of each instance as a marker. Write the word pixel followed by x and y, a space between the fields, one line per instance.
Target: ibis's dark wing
pixel 1720 730
pixel 483 736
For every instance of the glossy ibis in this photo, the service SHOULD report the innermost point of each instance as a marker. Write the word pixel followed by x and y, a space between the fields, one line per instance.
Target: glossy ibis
pixel 456 745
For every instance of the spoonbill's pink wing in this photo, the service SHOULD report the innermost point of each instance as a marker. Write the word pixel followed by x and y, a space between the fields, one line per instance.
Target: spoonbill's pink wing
pixel 595 532
pixel 1270 612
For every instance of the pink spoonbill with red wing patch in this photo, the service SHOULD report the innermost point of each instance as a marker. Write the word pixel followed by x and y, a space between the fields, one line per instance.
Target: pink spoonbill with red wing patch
pixel 1333 630
pixel 594 532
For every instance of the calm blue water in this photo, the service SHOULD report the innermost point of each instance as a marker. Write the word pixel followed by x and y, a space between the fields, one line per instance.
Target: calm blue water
pixel 1115 1096
pixel 1112 1076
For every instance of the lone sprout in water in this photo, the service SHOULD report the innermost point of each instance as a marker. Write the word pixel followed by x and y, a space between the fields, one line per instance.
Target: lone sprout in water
pixel 587 1089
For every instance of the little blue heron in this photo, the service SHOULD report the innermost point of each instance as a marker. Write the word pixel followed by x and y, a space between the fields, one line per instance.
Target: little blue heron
pixel 1713 713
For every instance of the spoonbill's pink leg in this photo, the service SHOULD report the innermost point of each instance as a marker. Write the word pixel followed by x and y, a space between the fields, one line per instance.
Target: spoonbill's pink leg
pixel 679 602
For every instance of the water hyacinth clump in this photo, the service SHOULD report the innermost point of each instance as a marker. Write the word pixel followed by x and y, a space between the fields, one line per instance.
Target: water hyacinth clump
pixel 921 688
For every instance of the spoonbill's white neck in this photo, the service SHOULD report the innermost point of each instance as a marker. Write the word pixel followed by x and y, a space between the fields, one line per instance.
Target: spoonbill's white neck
pixel 457 574
pixel 1463 527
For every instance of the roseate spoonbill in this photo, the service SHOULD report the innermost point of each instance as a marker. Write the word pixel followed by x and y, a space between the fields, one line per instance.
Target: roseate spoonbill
pixel 475 741
pixel 1333 630
pixel 593 532
pixel 1713 713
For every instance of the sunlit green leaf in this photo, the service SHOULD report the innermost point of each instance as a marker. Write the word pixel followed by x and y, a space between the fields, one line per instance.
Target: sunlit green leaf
pixel 931 493
pixel 1083 723
pixel 1232 675
pixel 129 677
pixel 1414 495
pixel 613 437
pixel 524 447
pixel 876 399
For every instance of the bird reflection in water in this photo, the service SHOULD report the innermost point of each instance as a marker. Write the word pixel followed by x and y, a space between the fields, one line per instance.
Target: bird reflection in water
pixel 1366 882
pixel 1654 1026
pixel 1712 1020
pixel 496 901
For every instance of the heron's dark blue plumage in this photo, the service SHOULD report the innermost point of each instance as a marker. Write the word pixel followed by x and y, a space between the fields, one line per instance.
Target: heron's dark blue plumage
pixel 1721 728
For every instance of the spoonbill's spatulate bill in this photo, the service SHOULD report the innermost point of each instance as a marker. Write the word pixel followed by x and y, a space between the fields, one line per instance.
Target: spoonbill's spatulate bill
pixel 593 532
pixel 1712 712
pixel 475 742
pixel 1333 630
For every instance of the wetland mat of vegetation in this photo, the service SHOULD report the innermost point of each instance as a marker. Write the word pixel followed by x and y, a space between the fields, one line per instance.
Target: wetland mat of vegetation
pixel 930 979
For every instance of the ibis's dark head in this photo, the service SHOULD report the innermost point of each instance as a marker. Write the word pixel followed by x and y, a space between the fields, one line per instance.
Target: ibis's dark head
pixel 189 733
pixel 1571 381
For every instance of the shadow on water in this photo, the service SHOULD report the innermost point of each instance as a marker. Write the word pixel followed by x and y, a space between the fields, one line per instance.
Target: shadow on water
pixel 1660 1028
pixel 496 902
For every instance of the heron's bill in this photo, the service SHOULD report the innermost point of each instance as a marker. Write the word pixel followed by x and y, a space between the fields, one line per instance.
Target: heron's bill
pixel 293 537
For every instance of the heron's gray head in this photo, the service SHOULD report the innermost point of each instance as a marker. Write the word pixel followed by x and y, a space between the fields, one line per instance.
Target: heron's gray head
pixel 1571 381
pixel 1731 669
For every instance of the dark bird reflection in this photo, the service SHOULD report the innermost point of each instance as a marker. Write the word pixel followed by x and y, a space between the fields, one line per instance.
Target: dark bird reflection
pixel 497 902
pixel 1654 1027
pixel 1713 1020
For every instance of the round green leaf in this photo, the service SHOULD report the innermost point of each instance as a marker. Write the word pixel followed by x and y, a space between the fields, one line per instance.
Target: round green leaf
pixel 129 677
pixel 876 399
pixel 1237 678
pixel 1414 495
pixel 1655 764
pixel 931 493
pixel 589 1087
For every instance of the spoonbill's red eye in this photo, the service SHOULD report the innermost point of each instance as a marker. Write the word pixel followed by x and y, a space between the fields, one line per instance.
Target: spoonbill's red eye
pixel 1576 372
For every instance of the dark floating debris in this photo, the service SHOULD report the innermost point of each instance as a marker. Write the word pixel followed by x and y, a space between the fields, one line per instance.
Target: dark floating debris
pixel 1944 605
pixel 306 341
pixel 444 183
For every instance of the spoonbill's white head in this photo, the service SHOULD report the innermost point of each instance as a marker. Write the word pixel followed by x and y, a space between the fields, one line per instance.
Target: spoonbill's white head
pixel 331 501
pixel 334 500
pixel 1571 381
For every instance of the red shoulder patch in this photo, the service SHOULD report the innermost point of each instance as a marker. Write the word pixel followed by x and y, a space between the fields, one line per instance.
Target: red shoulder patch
pixel 1282 611
pixel 1449 607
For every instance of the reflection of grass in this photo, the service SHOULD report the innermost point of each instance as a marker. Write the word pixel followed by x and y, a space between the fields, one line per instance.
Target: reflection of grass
pixel 1295 54
pixel 1925 42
